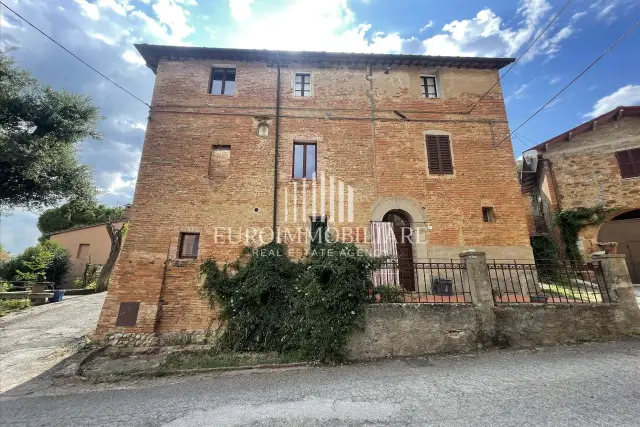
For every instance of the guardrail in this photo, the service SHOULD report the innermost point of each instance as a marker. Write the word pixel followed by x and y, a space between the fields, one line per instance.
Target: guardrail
pixel 422 282
pixel 547 281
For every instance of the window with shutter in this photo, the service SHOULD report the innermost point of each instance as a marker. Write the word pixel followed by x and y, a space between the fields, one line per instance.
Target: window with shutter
pixel 439 155
pixel 629 162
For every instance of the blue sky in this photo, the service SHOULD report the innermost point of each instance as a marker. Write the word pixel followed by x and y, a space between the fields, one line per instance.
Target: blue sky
pixel 102 32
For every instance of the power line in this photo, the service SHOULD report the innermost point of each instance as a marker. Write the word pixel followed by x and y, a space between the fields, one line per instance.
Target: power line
pixel 633 27
pixel 71 53
pixel 522 54
pixel 520 135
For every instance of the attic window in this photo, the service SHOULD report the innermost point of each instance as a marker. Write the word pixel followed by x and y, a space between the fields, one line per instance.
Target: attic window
pixel 223 81
pixel 302 86
pixel 429 87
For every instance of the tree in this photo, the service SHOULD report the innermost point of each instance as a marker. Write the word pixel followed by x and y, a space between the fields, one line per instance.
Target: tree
pixel 75 214
pixel 46 261
pixel 40 129
pixel 117 238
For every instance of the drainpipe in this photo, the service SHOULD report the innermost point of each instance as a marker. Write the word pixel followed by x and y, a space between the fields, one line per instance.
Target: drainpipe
pixel 372 104
pixel 275 158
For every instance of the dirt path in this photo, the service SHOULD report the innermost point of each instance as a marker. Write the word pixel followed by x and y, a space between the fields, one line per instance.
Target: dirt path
pixel 37 338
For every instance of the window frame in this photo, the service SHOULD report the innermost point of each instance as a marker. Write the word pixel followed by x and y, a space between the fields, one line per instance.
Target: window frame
pixel 304 160
pixel 181 254
pixel 317 219
pixel 440 172
pixel 634 163
pixel 224 69
pixel 488 214
pixel 424 86
pixel 303 73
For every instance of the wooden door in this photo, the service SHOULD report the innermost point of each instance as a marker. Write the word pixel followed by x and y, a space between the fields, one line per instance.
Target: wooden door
pixel 404 247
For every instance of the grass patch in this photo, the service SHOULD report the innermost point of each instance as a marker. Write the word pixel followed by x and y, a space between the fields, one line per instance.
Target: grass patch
pixel 11 305
pixel 569 292
pixel 214 359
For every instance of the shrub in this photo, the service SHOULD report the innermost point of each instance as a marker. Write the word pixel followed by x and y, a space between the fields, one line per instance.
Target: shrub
pixel 46 261
pixel 271 303
pixel 7 306
pixel 388 293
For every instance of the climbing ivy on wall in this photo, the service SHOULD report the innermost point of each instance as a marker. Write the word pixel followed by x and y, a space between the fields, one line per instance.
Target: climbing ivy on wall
pixel 272 303
pixel 572 221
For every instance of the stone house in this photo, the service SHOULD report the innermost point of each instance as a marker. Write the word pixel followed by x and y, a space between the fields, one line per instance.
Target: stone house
pixel 594 164
pixel 397 153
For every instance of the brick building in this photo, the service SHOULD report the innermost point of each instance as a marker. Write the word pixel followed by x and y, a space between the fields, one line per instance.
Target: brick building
pixel 594 164
pixel 362 139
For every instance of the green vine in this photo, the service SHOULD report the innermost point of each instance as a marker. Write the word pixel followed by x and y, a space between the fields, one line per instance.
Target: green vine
pixel 572 221
pixel 309 307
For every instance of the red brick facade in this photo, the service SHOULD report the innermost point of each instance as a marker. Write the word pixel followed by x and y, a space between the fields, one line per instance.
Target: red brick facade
pixel 383 160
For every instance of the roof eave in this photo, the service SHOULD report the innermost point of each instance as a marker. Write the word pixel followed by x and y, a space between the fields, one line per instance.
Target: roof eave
pixel 152 54
pixel 629 111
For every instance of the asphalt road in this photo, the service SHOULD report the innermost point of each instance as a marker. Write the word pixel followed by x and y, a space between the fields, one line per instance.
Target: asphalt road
pixel 37 338
pixel 583 385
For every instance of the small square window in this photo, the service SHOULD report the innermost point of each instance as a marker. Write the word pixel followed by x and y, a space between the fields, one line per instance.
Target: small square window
pixel 488 214
pixel 223 81
pixel 429 87
pixel 304 160
pixel 302 84
pixel 189 245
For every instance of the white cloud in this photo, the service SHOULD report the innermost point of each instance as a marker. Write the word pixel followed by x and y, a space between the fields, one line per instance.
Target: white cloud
pixel 121 7
pixel 102 38
pixel 554 80
pixel 329 25
pixel 578 15
pixel 428 25
pixel 90 10
pixel 485 34
pixel 627 95
pixel 120 185
pixel 171 14
pixel 240 9
pixel 552 104
pixel 519 93
pixel 132 57
pixel 211 32
pixel 605 10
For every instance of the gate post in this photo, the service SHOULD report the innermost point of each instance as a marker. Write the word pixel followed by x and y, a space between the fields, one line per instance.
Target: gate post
pixel 481 294
pixel 613 269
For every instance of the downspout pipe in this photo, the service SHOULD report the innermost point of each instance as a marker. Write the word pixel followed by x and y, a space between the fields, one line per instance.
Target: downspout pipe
pixel 275 158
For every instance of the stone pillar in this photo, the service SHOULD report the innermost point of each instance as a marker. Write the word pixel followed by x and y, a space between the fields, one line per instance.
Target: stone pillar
pixel 614 272
pixel 481 294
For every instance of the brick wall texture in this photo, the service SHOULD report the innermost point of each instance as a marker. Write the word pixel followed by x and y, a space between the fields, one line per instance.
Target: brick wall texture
pixel 382 160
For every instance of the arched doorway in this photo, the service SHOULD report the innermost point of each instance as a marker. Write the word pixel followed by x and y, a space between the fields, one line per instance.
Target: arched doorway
pixel 404 246
pixel 625 229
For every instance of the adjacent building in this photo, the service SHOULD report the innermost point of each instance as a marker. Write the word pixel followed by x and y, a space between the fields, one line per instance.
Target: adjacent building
pixel 594 164
pixel 403 154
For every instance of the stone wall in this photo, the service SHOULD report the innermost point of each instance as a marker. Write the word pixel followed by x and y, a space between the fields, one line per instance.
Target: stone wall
pixel 402 330
pixel 531 325
pixel 584 172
